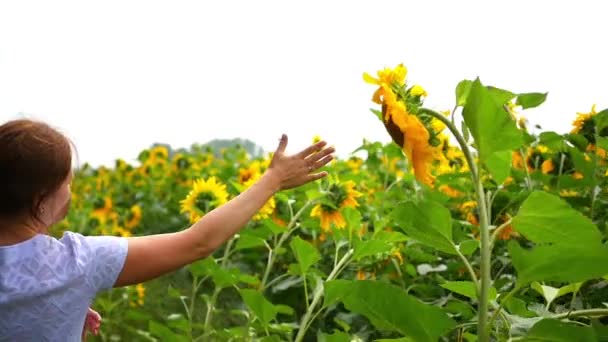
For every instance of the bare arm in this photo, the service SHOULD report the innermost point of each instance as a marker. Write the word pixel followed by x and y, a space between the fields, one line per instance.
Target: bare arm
pixel 152 256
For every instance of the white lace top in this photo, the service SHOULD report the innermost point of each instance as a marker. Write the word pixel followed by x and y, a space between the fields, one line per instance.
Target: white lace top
pixel 47 284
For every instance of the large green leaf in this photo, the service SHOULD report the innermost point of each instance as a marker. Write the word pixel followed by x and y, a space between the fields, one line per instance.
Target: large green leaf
pixel 550 330
pixel 467 289
pixel 559 262
pixel 499 165
pixel 248 241
pixel 335 337
pixel 370 248
pixel 545 218
pixel 462 92
pixel 491 126
pixel 264 310
pixel 390 308
pixel 531 100
pixel 428 222
pixel 568 245
pixel 306 254
pixel 164 333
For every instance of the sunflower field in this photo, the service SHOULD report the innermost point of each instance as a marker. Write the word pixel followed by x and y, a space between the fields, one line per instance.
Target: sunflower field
pixel 469 226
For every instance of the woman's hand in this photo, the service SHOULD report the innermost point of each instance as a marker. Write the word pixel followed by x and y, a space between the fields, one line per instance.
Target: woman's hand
pixel 295 170
pixel 91 324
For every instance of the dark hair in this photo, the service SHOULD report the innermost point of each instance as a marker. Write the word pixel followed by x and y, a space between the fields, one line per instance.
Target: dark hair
pixel 35 160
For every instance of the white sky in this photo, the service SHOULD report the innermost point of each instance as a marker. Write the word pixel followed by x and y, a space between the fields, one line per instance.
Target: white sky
pixel 117 76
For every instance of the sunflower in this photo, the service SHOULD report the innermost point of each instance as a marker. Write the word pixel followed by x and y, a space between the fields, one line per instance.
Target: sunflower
pixel 415 134
pixel 584 124
pixel 547 166
pixel 386 78
pixel 469 210
pixel 133 217
pixel 159 152
pixel 339 196
pixel 181 161
pixel 252 171
pixel 354 164
pixel 102 207
pixel 205 196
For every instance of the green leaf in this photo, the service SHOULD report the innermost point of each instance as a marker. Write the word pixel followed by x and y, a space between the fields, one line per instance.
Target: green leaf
pixel 491 126
pixel 313 194
pixel 518 307
pixel 546 218
pixel 248 241
pixel 561 263
pixel 601 142
pixel 306 254
pixel 164 333
pixel 203 267
pixel 499 165
pixel 173 292
pixel 390 308
pixel 284 309
pixel 551 293
pixel 601 120
pixel 467 289
pixel 377 113
pixel 548 292
pixel 552 140
pixel 352 217
pixel 550 330
pixel 335 337
pixel 259 305
pixel 462 92
pixel 370 248
pixel 390 237
pixel 428 222
pixel 501 96
pixel 568 244
pixel 468 247
pixel 531 100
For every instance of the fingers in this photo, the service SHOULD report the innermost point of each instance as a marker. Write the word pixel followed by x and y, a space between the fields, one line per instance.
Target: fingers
pixel 310 149
pixel 316 176
pixel 311 159
pixel 282 144
pixel 322 162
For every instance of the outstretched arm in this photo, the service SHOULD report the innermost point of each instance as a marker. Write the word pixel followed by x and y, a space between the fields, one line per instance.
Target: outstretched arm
pixel 154 255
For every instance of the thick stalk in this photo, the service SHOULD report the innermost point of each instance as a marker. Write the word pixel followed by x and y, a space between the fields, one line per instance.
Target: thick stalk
pixel 582 313
pixel 319 294
pixel 484 286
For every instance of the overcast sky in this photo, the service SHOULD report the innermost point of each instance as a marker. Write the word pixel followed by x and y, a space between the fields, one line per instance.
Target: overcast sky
pixel 117 76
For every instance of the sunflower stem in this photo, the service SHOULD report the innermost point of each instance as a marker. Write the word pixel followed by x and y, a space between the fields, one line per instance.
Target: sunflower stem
pixel 284 237
pixel 483 331
pixel 318 294
pixel 216 291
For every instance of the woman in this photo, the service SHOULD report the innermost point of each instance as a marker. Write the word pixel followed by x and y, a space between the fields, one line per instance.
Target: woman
pixel 47 284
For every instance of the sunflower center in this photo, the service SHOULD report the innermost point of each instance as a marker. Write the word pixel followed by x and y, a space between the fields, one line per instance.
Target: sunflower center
pixel 182 163
pixel 203 201
pixel 567 167
pixel 337 195
pixel 588 130
pixel 535 160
